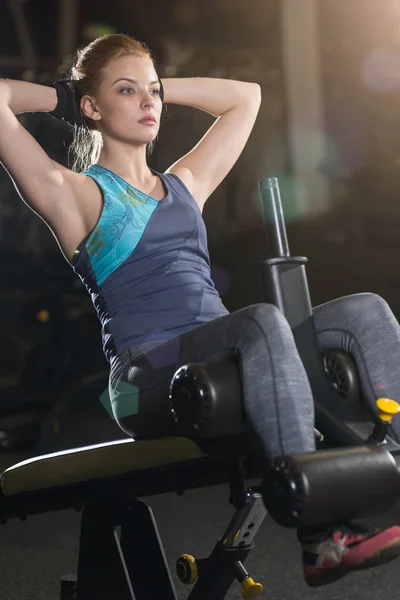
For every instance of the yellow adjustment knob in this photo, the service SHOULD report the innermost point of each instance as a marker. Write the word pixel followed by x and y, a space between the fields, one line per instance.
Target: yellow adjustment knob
pixel 186 568
pixel 387 408
pixel 250 588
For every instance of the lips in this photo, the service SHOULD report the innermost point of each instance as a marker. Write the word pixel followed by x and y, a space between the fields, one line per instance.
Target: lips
pixel 148 121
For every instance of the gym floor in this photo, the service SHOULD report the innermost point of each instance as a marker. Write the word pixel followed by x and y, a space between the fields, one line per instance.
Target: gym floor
pixel 34 553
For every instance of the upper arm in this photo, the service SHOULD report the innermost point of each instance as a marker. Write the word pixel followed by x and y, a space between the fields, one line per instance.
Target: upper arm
pixel 41 182
pixel 208 163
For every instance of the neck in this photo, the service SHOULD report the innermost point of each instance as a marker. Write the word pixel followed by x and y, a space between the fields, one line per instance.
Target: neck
pixel 126 160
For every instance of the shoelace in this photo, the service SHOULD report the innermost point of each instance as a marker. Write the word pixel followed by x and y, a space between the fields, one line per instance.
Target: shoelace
pixel 354 532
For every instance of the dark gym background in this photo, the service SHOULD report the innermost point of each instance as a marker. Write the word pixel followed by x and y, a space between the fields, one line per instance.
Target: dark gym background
pixel 329 128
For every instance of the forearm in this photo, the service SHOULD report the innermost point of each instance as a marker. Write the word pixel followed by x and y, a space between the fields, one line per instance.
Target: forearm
pixel 22 96
pixel 215 96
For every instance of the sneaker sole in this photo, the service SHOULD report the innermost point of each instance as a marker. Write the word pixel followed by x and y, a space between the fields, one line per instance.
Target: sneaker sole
pixel 382 556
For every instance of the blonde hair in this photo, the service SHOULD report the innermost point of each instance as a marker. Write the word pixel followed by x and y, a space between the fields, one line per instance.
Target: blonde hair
pixel 86 72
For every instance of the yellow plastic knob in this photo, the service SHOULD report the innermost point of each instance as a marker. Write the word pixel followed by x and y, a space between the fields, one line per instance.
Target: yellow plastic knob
pixel 187 569
pixel 250 588
pixel 387 409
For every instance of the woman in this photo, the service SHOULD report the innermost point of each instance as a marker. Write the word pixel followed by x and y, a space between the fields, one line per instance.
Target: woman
pixel 137 239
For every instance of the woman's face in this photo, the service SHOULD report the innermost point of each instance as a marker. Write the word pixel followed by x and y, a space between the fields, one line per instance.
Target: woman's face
pixel 128 104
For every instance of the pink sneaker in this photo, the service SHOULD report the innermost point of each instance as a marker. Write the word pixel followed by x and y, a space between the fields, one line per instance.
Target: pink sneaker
pixel 331 554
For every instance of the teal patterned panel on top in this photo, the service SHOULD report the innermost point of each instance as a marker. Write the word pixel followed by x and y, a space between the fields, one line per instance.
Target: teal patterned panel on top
pixel 125 214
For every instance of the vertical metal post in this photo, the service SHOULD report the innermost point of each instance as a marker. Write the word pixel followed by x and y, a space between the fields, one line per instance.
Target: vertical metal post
pixel 274 221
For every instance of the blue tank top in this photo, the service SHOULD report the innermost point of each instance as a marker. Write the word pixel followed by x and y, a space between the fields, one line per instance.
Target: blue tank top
pixel 146 264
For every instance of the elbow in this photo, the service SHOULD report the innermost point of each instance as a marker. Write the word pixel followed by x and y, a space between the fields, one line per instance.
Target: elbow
pixel 256 92
pixel 251 94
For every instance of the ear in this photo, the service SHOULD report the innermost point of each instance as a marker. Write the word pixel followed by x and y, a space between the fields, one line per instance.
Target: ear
pixel 89 109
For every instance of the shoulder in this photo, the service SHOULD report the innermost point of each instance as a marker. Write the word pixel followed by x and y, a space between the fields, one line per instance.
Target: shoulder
pixel 183 179
pixel 183 176
pixel 81 184
pixel 87 195
pixel 74 180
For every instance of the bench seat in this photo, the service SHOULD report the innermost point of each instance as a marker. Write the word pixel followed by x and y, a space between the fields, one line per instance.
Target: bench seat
pixel 89 463
pixel 106 472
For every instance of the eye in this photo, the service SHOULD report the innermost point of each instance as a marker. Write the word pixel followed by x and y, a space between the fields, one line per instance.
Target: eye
pixel 156 92
pixel 126 90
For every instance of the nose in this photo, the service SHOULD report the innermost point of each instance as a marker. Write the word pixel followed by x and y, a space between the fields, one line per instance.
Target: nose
pixel 148 99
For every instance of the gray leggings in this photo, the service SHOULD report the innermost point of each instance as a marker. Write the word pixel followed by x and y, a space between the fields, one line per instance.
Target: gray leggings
pixel 276 390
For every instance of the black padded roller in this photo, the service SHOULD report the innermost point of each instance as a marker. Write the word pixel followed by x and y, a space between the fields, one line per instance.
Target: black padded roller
pixel 331 486
pixel 206 400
